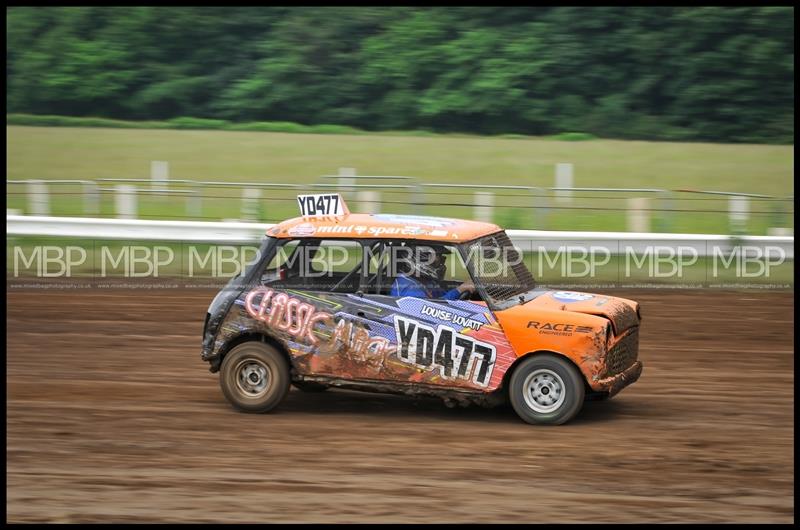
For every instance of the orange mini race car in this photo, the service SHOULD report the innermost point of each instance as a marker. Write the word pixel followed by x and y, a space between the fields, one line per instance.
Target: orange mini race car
pixel 413 305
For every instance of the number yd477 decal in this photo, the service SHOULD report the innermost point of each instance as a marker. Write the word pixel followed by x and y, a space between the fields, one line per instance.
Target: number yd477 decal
pixel 455 354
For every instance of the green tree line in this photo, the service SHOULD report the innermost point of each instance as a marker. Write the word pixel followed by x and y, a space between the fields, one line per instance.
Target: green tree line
pixel 662 73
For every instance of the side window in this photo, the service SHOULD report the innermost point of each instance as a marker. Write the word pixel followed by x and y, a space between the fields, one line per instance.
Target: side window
pixel 333 265
pixel 456 270
pixel 319 265
pixel 424 269
pixel 282 267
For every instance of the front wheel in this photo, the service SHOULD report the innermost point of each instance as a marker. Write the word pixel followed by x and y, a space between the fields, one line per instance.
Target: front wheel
pixel 546 389
pixel 254 377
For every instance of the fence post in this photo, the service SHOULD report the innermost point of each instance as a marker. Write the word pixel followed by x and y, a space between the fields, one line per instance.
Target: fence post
pixel 484 203
pixel 564 180
pixel 346 181
pixel 126 201
pixel 38 197
pixel 778 219
pixel 250 201
pixel 540 208
pixel 91 198
pixel 418 196
pixel 369 201
pixel 159 175
pixel 663 219
pixel 738 208
pixel 193 202
pixel 638 214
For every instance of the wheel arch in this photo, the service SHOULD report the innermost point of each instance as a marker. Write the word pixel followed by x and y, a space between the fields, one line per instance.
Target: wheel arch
pixel 254 336
pixel 511 369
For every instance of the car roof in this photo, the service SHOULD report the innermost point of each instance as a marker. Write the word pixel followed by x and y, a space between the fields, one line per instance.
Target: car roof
pixel 368 226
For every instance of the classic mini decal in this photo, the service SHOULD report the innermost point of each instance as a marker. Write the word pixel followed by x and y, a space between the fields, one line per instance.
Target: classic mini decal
pixel 438 342
pixel 283 313
pixel 310 329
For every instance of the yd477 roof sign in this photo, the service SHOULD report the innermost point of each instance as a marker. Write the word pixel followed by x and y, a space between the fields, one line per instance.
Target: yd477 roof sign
pixel 322 205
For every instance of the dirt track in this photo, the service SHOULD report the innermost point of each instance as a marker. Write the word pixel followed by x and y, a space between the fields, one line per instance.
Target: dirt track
pixel 112 416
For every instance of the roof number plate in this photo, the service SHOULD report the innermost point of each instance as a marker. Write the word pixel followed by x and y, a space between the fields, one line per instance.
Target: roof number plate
pixel 323 205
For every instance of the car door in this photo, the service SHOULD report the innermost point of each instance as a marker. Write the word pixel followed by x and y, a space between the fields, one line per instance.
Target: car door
pixel 432 340
pixel 306 299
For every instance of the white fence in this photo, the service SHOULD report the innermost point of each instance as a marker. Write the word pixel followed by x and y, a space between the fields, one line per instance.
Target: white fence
pixel 545 207
pixel 236 232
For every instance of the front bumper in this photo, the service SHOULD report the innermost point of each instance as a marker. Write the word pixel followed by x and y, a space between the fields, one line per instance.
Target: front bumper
pixel 614 384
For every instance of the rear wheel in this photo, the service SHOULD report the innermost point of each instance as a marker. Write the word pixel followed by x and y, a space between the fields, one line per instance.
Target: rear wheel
pixel 254 377
pixel 546 389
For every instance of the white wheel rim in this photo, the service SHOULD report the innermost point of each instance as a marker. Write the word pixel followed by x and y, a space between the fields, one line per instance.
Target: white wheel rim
pixel 252 377
pixel 544 391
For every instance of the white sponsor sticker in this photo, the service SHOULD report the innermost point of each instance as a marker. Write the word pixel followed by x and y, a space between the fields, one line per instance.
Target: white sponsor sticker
pixel 569 296
pixel 304 229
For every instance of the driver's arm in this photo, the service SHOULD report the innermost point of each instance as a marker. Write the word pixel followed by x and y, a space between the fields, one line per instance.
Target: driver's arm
pixel 452 294
pixel 455 293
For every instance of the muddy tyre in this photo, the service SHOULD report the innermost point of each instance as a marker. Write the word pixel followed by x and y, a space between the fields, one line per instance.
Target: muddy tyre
pixel 254 377
pixel 546 389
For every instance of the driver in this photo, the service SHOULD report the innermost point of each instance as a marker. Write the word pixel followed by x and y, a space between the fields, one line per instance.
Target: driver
pixel 421 277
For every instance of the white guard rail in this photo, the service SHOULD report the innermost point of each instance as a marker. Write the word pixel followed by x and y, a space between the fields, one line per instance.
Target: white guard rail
pixel 527 240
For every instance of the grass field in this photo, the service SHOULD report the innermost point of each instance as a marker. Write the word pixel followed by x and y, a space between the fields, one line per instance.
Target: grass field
pixel 89 153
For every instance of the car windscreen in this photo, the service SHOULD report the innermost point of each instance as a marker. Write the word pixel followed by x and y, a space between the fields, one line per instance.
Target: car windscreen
pixel 498 268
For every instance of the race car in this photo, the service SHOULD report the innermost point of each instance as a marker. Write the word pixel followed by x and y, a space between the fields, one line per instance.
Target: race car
pixel 412 305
